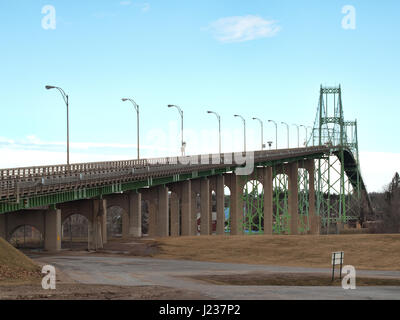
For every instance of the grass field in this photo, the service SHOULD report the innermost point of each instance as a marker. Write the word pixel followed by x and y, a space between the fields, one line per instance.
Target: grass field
pixel 15 266
pixel 363 251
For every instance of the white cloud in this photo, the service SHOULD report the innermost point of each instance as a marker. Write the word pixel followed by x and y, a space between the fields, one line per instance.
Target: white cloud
pixel 125 3
pixel 243 28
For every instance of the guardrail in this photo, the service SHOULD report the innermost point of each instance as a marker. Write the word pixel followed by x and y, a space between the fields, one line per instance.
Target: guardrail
pixel 19 182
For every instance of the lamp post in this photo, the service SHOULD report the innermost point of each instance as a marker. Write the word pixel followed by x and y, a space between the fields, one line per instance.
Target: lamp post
pixel 262 132
pixel 66 100
pixel 244 128
pixel 276 133
pixel 298 135
pixel 312 134
pixel 219 128
pixel 305 143
pixel 181 113
pixel 136 106
pixel 287 126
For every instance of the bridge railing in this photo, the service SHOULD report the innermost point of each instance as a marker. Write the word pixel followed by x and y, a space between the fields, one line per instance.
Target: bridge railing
pixel 40 171
pixel 17 182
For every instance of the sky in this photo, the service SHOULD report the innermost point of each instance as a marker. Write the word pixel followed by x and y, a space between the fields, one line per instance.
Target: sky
pixel 256 58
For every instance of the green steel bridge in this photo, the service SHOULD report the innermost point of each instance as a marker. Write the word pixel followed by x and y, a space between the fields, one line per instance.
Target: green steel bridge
pixel 339 193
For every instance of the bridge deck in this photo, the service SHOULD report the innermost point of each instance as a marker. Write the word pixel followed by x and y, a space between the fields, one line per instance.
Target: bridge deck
pixel 20 182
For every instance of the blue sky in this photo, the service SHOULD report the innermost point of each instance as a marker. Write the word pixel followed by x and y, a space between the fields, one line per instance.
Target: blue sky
pixel 186 53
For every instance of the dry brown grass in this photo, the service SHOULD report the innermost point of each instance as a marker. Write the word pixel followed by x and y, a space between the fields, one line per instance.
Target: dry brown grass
pixel 15 266
pixel 364 251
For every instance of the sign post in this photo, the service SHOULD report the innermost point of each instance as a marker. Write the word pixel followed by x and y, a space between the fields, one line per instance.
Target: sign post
pixel 337 259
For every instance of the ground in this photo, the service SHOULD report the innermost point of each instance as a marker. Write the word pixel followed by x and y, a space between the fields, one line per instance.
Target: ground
pixel 217 267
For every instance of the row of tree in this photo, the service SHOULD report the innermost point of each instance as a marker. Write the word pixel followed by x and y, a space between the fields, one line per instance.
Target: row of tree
pixel 387 207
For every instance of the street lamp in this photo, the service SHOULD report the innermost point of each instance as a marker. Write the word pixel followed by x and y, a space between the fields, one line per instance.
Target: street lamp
pixel 183 144
pixel 244 128
pixel 305 143
pixel 66 100
pixel 312 134
pixel 219 127
pixel 276 133
pixel 298 135
pixel 287 126
pixel 262 133
pixel 136 106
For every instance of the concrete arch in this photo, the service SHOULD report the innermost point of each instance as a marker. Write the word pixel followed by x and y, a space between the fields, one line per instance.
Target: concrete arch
pixel 34 218
pixel 15 229
pixel 83 208
pixel 29 241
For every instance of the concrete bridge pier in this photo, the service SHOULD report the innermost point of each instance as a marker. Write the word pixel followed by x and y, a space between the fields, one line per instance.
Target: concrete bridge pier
pixel 235 184
pixel 3 227
pixel 205 213
pixel 315 220
pixel 52 230
pixel 186 207
pixel 97 224
pixel 220 185
pixel 174 203
pixel 293 198
pixel 268 203
pixel 162 217
pixel 135 214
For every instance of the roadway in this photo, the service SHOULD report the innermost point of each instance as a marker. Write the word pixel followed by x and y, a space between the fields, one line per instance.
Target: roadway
pixel 128 271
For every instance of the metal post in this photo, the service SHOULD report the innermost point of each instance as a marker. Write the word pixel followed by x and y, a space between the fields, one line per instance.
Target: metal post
pixel 136 106
pixel 66 100
pixel 287 126
pixel 306 141
pixel 67 130
pixel 181 113
pixel 276 133
pixel 262 133
pixel 298 135
pixel 219 128
pixel 244 128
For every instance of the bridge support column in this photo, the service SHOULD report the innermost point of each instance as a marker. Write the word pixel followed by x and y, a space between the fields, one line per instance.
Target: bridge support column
pixel 314 218
pixel 220 205
pixel 236 205
pixel 186 207
pixel 194 228
pixel 174 215
pixel 52 232
pixel 98 216
pixel 293 204
pixel 3 226
pixel 135 214
pixel 103 213
pixel 152 220
pixel 205 207
pixel 268 208
pixel 162 212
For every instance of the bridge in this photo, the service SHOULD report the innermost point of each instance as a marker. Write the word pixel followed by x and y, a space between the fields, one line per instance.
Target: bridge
pixel 286 191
